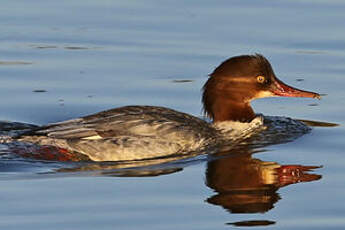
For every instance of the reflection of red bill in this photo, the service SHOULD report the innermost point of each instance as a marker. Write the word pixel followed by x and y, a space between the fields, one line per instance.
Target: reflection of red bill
pixel 291 174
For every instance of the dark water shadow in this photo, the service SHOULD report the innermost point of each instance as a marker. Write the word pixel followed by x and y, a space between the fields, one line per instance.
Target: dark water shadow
pixel 252 223
pixel 69 47
pixel 15 63
pixel 318 123
pixel 182 81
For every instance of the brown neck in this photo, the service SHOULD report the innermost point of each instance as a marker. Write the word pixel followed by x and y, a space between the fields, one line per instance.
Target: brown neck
pixel 232 111
pixel 226 101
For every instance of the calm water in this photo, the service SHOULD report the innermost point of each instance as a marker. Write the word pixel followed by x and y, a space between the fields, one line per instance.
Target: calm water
pixel 64 59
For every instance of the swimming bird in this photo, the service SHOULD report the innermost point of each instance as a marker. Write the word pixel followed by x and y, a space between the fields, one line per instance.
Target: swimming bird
pixel 145 132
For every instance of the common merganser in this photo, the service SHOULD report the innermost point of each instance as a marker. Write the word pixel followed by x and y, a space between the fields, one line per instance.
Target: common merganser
pixel 144 132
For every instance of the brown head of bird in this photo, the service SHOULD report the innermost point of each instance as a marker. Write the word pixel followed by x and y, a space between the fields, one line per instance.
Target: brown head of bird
pixel 239 80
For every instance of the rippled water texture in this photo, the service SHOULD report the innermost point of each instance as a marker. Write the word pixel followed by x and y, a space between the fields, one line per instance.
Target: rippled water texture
pixel 65 59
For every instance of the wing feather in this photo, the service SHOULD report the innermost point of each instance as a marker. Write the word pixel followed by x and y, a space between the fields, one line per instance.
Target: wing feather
pixel 125 121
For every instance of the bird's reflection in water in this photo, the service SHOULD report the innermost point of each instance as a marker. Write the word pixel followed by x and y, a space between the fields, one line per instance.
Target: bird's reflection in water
pixel 244 184
pixel 248 185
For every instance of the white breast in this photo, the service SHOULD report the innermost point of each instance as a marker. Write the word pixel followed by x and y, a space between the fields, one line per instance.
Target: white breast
pixel 239 130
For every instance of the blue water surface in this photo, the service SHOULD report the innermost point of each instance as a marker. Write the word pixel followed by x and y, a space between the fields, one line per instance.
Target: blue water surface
pixel 65 59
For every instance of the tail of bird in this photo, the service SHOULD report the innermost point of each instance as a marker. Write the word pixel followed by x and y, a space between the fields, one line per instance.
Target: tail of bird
pixel 10 130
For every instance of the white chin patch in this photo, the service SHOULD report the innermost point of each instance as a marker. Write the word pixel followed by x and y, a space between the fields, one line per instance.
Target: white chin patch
pixel 265 94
